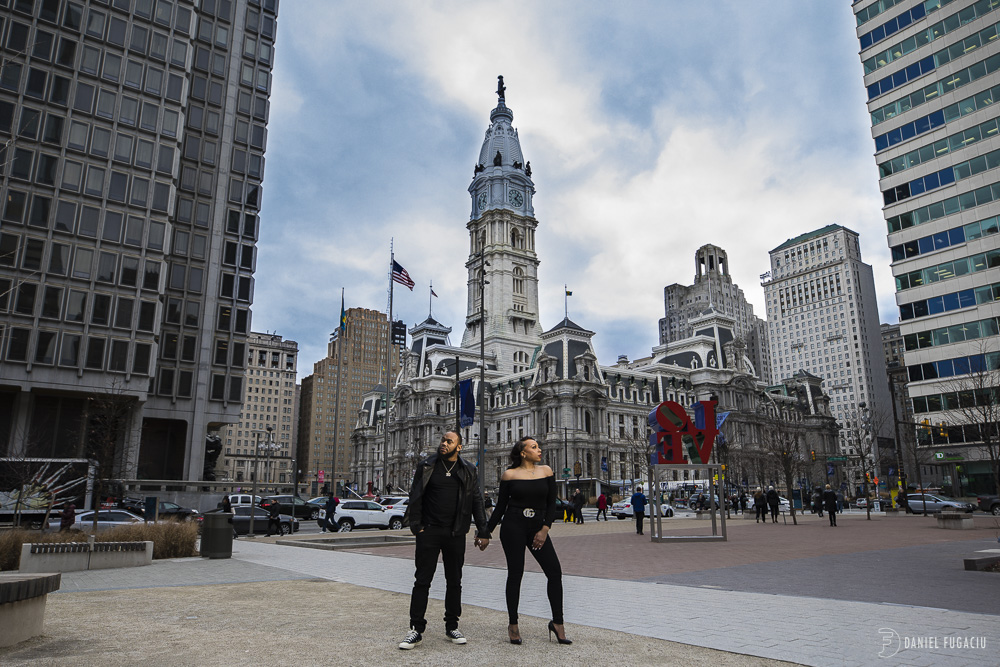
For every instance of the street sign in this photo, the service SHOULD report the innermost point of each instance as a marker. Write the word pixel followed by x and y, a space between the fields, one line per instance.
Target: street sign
pixel 836 459
pixel 319 476
pixel 566 472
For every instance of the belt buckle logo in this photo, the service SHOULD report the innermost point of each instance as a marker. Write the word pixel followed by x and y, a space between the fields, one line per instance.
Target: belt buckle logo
pixel 528 512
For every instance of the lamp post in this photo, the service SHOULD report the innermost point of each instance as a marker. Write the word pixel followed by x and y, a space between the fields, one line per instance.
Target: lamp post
pixel 482 367
pixel 256 473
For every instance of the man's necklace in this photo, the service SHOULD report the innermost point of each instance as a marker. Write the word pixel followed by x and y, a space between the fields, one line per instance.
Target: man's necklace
pixel 447 470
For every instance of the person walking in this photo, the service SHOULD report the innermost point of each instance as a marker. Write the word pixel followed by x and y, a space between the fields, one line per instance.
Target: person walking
pixel 444 500
pixel 602 507
pixel 526 507
pixel 578 502
pixel 773 502
pixel 638 509
pixel 273 519
pixel 227 508
pixel 67 517
pixel 830 500
pixel 329 521
pixel 759 505
pixel 743 502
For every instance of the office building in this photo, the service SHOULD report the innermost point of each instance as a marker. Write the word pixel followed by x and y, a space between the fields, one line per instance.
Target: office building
pixel 822 316
pixel 713 285
pixel 263 443
pixel 930 74
pixel 355 363
pixel 135 135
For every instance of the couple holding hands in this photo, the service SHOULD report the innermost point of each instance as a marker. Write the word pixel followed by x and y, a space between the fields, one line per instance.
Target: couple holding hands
pixel 445 497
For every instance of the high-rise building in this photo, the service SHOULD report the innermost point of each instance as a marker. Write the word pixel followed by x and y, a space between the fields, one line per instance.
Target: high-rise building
pixel 713 285
pixel 331 396
pixel 822 316
pixel 931 75
pixel 263 443
pixel 134 153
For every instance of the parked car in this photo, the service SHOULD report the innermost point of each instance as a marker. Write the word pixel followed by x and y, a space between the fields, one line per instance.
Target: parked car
pixel 396 507
pixel 861 503
pixel 241 520
pixel 989 504
pixel 353 514
pixel 168 510
pixel 915 502
pixel 243 499
pixel 302 509
pixel 133 505
pixel 105 519
pixel 623 510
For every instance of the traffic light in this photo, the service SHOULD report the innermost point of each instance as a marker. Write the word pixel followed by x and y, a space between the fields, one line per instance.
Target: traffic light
pixel 926 426
pixel 943 429
pixel 813 454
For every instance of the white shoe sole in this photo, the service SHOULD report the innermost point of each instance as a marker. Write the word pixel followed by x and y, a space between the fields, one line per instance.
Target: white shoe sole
pixel 462 640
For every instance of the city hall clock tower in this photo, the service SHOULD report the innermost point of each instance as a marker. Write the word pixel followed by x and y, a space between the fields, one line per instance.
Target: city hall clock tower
pixel 502 248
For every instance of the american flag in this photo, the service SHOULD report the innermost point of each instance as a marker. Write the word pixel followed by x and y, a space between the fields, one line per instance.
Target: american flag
pixel 399 275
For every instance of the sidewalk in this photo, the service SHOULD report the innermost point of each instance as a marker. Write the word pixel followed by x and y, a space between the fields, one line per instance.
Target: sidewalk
pixel 627 602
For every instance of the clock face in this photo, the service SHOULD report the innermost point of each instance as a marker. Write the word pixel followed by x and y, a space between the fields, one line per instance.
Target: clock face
pixel 515 198
pixel 482 201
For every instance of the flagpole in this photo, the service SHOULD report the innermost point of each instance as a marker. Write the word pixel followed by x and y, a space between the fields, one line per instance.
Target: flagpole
pixel 430 301
pixel 341 331
pixel 388 367
pixel 566 299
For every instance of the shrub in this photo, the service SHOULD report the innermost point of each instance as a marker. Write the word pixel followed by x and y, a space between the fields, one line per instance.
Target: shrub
pixel 171 539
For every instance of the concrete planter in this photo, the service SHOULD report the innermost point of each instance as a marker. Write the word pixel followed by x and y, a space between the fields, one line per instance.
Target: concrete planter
pixel 73 556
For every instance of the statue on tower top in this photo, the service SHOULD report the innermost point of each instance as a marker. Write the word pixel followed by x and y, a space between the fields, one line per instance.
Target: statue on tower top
pixel 500 87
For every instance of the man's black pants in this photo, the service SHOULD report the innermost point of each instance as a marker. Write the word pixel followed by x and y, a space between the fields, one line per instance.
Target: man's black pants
pixel 639 516
pixel 430 542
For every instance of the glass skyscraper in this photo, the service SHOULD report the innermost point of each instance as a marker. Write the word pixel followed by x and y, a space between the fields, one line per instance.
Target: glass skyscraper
pixel 133 135
pixel 930 70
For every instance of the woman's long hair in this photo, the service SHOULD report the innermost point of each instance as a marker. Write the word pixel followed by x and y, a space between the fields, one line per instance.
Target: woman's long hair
pixel 515 452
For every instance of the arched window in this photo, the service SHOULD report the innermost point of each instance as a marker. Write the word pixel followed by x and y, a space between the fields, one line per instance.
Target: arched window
pixel 516 239
pixel 518 280
pixel 586 422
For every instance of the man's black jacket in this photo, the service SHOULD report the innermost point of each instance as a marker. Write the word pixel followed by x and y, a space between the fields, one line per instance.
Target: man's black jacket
pixel 470 500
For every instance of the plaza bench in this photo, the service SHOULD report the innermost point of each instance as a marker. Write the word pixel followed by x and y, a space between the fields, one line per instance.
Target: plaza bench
pixel 22 604
pixel 73 556
pixel 980 562
pixel 955 521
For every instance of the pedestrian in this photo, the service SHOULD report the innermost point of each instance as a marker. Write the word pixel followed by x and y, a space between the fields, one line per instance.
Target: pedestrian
pixel 67 517
pixel 527 506
pixel 638 509
pixel 570 516
pixel 578 502
pixel 743 502
pixel 329 521
pixel 773 502
pixel 759 505
pixel 273 519
pixel 227 508
pixel 444 499
pixel 830 500
pixel 602 506
pixel 488 503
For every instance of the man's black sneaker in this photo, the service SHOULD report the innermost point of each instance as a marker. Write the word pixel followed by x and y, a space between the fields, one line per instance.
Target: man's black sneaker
pixel 455 636
pixel 412 639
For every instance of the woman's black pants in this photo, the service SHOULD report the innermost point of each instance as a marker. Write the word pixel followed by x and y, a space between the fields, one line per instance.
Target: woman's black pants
pixel 516 534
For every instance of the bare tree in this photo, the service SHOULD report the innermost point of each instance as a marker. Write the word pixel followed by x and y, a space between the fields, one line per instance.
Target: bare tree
pixel 781 442
pixel 861 427
pixel 973 404
pixel 109 418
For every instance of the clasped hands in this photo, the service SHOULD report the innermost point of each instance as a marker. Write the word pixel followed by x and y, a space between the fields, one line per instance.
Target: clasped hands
pixel 482 543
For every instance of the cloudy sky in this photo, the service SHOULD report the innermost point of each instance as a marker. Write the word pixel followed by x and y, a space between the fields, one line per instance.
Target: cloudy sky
pixel 652 128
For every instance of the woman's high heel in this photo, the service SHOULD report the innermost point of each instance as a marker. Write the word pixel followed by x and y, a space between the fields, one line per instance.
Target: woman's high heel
pixel 511 635
pixel 552 630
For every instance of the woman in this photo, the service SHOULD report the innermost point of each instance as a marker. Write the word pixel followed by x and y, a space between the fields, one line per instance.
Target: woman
pixel 527 506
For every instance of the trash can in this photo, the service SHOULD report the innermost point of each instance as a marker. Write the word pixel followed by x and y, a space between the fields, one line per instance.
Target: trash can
pixel 217 535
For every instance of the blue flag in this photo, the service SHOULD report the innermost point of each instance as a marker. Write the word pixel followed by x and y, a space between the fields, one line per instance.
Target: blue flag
pixel 467 403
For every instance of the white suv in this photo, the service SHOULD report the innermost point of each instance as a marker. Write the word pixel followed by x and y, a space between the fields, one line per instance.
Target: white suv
pixel 353 514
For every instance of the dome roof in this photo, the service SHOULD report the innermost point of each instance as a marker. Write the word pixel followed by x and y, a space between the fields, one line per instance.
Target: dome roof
pixel 501 137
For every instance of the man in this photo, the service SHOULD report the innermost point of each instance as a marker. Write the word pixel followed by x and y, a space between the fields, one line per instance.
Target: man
pixel 273 519
pixel 329 520
pixel 578 501
pixel 638 509
pixel 444 493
